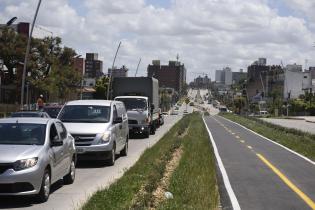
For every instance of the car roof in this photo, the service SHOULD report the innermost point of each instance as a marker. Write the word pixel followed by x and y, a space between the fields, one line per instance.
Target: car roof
pixel 32 112
pixel 144 97
pixel 33 120
pixel 90 102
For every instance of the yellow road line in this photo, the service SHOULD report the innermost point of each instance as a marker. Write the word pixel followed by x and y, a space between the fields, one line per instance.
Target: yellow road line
pixel 302 195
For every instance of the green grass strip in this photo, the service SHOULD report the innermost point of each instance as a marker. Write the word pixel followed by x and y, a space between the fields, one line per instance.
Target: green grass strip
pixel 299 141
pixel 193 183
pixel 147 172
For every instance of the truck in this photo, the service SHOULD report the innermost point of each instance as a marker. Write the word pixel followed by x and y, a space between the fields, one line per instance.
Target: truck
pixel 141 98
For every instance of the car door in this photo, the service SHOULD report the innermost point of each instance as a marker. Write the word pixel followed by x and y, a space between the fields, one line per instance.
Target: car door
pixel 57 153
pixel 66 155
pixel 117 128
pixel 125 129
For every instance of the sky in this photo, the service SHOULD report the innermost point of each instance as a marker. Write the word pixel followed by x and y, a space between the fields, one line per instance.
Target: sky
pixel 206 34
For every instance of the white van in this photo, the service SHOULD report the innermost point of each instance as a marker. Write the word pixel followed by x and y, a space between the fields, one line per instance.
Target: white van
pixel 99 127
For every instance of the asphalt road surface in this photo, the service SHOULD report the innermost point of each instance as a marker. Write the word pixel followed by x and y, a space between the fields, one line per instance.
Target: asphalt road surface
pixel 261 174
pixel 90 176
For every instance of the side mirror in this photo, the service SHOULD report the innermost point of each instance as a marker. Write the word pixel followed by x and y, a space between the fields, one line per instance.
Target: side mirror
pixel 117 120
pixel 55 142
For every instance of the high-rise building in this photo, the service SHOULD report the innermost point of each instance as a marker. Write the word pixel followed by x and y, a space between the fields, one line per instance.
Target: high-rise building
pixel 79 65
pixel 227 76
pixel 118 72
pixel 219 78
pixel 93 66
pixel 172 75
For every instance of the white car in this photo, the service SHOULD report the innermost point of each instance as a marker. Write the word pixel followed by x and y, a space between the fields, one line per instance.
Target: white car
pixel 99 127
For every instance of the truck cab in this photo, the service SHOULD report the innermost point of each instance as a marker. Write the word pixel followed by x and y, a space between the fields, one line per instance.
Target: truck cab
pixel 140 117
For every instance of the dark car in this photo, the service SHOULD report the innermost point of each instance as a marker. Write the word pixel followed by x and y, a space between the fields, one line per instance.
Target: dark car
pixel 53 111
pixel 30 114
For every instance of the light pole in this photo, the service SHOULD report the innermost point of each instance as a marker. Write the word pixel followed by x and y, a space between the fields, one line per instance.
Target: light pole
pixel 1 68
pixel 27 53
pixel 110 76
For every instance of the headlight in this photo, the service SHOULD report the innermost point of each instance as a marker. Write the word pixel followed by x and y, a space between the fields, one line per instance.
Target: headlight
pixel 25 163
pixel 106 137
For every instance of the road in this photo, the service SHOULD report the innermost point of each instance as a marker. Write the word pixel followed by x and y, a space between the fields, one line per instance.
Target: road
pixel 292 123
pixel 261 174
pixel 90 177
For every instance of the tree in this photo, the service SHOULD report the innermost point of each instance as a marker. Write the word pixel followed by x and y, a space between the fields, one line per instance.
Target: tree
pixel 187 101
pixel 101 88
pixel 50 65
pixel 13 47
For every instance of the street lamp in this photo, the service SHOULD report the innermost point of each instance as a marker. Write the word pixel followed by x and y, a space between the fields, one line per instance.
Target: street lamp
pixel 11 21
pixel 27 53
pixel 110 76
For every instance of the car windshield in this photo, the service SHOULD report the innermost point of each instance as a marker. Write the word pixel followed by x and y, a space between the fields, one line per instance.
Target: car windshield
pixel 134 103
pixel 85 114
pixel 52 111
pixel 22 133
pixel 25 114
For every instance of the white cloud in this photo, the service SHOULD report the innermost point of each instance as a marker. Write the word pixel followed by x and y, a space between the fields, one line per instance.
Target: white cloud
pixel 207 34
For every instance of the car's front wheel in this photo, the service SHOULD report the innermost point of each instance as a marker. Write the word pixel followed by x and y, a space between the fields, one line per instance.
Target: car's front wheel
pixel 112 157
pixel 69 178
pixel 44 192
pixel 124 152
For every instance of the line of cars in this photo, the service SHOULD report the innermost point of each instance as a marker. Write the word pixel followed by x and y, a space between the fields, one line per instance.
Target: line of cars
pixel 37 151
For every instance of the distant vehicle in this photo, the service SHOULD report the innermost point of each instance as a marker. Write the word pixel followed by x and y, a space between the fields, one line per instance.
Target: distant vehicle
pixel 263 113
pixel 30 114
pixel 99 127
pixel 223 109
pixel 53 110
pixel 175 111
pixel 141 98
pixel 161 119
pixel 34 154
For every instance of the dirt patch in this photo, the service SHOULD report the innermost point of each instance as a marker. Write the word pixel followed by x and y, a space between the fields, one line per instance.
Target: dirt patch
pixel 158 194
pixel 183 134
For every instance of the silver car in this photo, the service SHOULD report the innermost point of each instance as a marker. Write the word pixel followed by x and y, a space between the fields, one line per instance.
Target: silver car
pixel 34 153
pixel 99 127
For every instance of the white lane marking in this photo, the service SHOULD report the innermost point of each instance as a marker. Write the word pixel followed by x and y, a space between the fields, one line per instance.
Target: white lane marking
pixel 226 180
pixel 284 147
pixel 249 147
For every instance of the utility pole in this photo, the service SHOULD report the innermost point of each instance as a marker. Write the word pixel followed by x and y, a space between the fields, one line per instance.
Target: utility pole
pixel 27 53
pixel 110 76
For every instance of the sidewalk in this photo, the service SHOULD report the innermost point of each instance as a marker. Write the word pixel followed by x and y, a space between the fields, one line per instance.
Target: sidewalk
pixel 310 119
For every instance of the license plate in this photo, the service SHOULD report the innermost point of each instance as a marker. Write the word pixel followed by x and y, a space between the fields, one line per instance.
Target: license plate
pixel 80 150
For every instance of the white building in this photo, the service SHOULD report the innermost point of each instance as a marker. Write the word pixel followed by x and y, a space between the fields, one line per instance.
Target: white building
pixel 296 81
pixel 227 76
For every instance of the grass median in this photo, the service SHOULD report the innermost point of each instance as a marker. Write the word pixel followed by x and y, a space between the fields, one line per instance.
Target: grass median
pixel 299 141
pixel 182 163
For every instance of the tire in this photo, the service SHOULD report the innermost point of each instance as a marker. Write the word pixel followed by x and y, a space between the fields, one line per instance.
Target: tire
pixel 111 160
pixel 44 192
pixel 147 133
pixel 153 129
pixel 124 152
pixel 69 178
